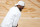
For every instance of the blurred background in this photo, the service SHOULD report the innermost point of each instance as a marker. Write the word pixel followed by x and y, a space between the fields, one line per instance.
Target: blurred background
pixel 30 15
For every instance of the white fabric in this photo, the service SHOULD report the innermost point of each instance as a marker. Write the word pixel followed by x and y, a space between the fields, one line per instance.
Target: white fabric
pixel 20 3
pixel 11 18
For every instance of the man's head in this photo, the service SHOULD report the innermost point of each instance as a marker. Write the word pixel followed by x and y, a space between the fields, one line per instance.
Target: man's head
pixel 20 5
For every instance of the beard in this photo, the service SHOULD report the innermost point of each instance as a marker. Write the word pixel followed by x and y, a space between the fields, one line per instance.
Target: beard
pixel 20 9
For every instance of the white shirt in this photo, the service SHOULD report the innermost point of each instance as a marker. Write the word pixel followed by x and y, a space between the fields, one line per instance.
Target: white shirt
pixel 12 17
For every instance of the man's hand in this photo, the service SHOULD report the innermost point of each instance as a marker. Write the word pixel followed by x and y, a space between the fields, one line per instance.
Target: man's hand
pixel 17 25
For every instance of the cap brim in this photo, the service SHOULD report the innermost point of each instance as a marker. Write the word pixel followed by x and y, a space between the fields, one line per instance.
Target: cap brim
pixel 17 4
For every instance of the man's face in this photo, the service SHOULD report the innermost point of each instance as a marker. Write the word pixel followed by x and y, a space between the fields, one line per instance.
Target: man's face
pixel 21 7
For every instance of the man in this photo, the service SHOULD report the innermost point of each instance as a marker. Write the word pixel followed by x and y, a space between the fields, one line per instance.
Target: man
pixel 13 15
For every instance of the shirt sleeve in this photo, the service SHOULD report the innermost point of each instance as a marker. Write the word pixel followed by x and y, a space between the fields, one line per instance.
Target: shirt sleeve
pixel 17 17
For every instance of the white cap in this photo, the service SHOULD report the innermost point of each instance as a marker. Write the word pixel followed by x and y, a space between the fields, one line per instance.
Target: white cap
pixel 20 3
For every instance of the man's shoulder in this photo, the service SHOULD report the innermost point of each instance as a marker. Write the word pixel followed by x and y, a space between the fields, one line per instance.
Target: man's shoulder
pixel 13 8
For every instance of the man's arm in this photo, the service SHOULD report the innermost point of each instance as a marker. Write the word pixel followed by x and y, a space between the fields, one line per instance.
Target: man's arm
pixel 15 22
